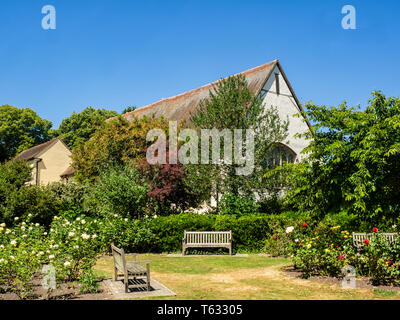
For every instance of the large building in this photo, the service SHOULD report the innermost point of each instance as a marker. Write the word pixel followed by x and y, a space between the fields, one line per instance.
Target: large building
pixel 267 81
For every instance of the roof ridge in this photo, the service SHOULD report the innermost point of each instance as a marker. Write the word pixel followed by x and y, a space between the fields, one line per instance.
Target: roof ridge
pixel 246 72
pixel 39 146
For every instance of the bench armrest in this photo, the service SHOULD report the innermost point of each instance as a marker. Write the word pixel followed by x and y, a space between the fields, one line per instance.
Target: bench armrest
pixel 134 255
pixel 143 262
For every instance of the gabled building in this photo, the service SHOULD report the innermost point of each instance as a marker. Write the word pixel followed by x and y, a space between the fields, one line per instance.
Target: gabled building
pixel 268 81
pixel 50 162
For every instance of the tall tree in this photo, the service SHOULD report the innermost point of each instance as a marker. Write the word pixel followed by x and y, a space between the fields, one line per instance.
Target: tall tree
pixel 21 129
pixel 353 167
pixel 79 127
pixel 231 105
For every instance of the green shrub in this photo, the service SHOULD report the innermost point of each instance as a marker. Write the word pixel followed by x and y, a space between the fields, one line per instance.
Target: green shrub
pixel 88 282
pixel 118 191
pixel 249 232
pixel 70 195
pixel 238 204
pixel 169 230
pixel 31 200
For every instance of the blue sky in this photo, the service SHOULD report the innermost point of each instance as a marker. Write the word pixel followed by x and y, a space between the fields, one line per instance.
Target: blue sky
pixel 116 53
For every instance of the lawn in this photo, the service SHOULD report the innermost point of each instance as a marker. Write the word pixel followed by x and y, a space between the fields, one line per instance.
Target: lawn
pixel 254 277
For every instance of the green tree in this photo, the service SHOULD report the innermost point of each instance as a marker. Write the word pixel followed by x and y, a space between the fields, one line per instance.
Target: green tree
pixel 118 142
pixel 353 164
pixel 80 127
pixel 129 109
pixel 232 105
pixel 13 175
pixel 21 129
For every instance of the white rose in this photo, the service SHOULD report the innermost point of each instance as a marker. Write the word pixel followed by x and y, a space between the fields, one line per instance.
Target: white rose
pixel 85 236
pixel 289 229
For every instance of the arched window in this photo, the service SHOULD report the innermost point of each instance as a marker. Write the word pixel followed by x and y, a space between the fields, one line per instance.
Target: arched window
pixel 280 155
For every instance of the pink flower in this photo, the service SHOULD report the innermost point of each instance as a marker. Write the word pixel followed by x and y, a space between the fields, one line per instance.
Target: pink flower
pixel 374 230
pixel 276 238
pixel 366 242
pixel 341 256
pixel 305 224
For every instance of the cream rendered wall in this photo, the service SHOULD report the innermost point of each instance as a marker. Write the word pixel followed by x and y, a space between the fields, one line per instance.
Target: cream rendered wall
pixel 55 160
pixel 287 108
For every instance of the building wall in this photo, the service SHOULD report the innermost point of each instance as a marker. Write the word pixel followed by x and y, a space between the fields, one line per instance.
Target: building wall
pixel 55 161
pixel 287 108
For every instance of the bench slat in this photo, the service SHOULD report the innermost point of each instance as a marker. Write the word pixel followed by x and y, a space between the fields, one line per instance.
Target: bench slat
pixel 359 238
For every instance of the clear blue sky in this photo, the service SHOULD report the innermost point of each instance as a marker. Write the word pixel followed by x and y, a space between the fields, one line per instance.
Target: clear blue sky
pixel 116 53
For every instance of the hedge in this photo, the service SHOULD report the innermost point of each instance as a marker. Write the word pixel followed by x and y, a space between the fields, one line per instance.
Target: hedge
pixel 249 232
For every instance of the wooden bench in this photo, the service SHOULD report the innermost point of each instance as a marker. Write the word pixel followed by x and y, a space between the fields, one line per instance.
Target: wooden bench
pixel 359 238
pixel 207 239
pixel 131 268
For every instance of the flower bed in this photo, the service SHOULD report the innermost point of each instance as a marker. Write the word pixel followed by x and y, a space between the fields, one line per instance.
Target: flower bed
pixel 325 250
pixel 70 247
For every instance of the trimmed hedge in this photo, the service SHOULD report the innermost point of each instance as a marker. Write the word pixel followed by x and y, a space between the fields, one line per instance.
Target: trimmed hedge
pixel 249 232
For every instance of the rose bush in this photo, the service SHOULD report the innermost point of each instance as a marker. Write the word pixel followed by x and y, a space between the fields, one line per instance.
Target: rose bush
pixel 325 249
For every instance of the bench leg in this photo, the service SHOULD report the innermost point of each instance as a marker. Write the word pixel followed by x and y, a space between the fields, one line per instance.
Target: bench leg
pixel 230 250
pixel 126 282
pixel 183 251
pixel 115 274
pixel 148 278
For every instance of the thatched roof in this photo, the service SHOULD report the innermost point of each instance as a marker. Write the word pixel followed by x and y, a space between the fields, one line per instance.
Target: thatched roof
pixel 181 106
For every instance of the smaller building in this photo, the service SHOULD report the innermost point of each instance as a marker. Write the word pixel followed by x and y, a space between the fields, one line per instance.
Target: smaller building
pixel 50 162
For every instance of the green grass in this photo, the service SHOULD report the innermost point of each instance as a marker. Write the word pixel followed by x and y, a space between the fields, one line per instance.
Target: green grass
pixel 203 265
pixel 225 277
pixel 384 293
